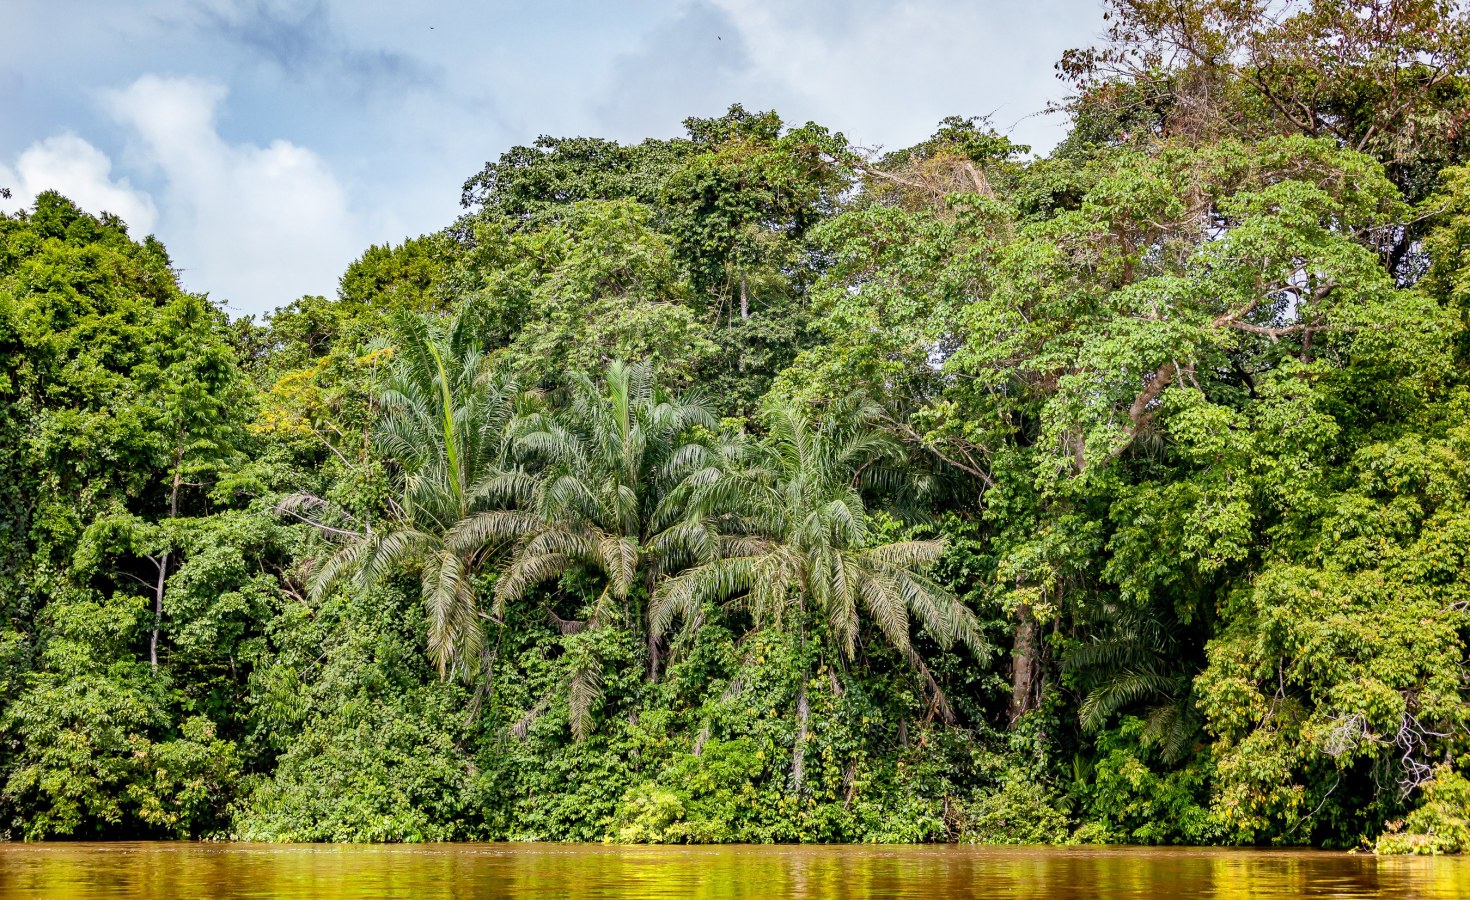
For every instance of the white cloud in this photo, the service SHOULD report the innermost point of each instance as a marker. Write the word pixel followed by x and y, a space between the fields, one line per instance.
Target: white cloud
pixel 81 172
pixel 254 226
pixel 888 71
pixel 695 63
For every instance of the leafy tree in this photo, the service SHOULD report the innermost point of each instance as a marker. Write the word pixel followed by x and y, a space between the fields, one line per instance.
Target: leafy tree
pixel 738 214
pixel 601 284
pixel 1333 668
pixel 1441 825
pixel 731 204
pixel 533 185
pixel 197 391
pixel 383 282
pixel 1386 79
pixel 125 403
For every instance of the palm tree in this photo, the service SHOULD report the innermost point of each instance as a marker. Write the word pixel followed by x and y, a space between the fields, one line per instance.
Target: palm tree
pixel 797 547
pixel 445 416
pixel 1135 659
pixel 616 469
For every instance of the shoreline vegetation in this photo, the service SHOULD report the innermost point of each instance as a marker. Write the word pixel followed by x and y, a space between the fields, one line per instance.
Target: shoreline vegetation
pixel 752 486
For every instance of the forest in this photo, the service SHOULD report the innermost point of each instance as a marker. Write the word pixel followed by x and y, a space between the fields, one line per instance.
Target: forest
pixel 755 486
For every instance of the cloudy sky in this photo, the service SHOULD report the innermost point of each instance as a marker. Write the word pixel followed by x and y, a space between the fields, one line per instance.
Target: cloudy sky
pixel 268 142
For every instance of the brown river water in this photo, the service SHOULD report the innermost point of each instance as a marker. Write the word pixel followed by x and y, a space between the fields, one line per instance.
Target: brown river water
pixel 168 870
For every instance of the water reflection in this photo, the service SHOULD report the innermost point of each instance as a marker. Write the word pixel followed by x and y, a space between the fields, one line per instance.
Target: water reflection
pixel 229 871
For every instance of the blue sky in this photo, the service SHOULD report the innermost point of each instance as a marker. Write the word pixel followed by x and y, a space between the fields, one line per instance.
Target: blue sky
pixel 269 142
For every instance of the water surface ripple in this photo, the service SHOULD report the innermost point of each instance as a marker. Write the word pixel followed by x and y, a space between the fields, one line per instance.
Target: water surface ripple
pixel 330 872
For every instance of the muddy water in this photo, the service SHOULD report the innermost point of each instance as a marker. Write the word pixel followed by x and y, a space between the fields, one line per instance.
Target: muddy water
pixel 163 870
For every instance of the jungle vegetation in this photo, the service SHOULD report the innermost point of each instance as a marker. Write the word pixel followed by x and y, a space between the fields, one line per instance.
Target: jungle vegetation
pixel 755 486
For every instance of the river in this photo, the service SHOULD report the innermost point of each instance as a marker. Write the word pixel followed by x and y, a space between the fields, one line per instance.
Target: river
pixel 326 872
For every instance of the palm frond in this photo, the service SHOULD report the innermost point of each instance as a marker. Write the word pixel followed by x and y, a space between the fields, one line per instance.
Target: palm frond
pixel 882 599
pixel 496 528
pixel 682 595
pixel 527 571
pixel 910 555
pixel 449 600
pixel 1120 691
pixel 584 690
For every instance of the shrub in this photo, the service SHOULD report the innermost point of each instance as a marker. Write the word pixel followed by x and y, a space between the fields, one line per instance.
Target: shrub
pixel 1441 825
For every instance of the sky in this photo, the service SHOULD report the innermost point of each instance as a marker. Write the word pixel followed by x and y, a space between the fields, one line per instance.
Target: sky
pixel 268 143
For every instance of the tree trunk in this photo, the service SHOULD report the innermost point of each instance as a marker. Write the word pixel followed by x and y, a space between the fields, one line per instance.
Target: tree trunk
pixel 162 564
pixel 798 748
pixel 649 584
pixel 744 315
pixel 1024 665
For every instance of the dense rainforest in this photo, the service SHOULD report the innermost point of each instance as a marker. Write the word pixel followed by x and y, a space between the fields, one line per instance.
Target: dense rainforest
pixel 755 486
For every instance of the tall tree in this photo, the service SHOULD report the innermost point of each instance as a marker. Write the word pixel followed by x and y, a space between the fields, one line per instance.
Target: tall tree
pixel 197 391
pixel 446 409
pixel 798 551
pixel 617 468
pixel 599 283
pixel 1387 78
pixel 124 403
pixel 738 213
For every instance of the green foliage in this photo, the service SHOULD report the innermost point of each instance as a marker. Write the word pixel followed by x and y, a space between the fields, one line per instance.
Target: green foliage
pixel 97 758
pixel 445 414
pixel 1441 825
pixel 363 743
pixel 691 254
pixel 1135 657
pixel 124 405
pixel 1021 811
pixel 385 281
pixel 800 555
pixel 1388 81
pixel 597 285
pixel 712 469
pixel 376 769
pixel 1132 794
pixel 615 475
pixel 530 185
